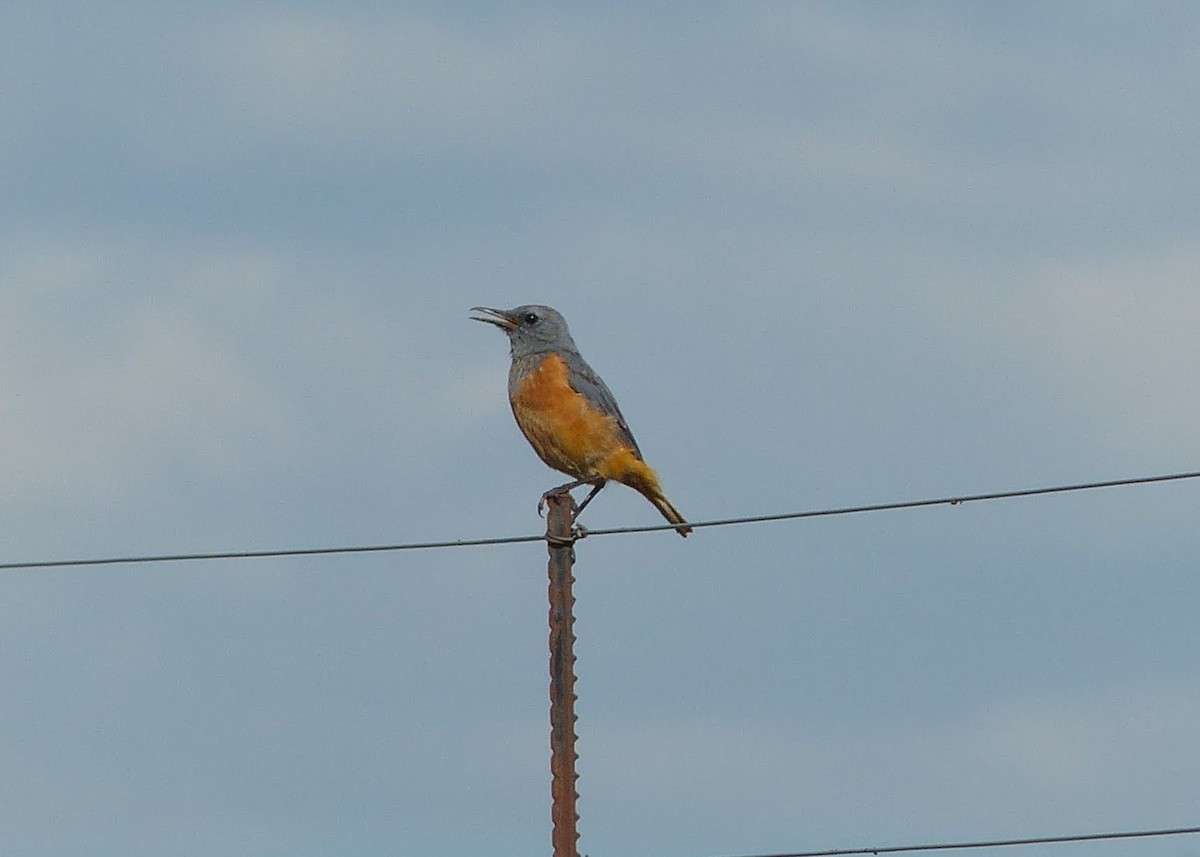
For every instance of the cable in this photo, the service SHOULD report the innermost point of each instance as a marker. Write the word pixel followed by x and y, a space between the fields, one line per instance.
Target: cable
pixel 904 504
pixel 187 557
pixel 994 843
pixel 583 532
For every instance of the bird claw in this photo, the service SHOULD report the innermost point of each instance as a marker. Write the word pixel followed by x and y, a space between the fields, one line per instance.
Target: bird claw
pixel 553 492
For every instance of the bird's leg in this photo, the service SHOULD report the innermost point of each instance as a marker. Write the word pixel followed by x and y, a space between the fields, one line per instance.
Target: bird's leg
pixel 597 482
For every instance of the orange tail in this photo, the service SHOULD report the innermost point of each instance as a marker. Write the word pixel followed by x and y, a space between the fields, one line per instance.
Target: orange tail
pixel 669 512
pixel 628 468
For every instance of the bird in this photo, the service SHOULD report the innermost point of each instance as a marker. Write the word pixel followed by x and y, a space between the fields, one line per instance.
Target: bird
pixel 567 413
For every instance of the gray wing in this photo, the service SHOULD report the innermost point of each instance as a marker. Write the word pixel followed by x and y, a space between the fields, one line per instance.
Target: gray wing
pixel 584 380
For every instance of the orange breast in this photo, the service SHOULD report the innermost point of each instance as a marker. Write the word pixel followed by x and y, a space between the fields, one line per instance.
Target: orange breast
pixel 567 431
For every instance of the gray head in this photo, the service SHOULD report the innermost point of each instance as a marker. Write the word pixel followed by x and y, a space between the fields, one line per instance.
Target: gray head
pixel 531 329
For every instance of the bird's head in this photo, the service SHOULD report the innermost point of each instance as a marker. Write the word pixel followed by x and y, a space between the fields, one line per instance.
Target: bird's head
pixel 531 328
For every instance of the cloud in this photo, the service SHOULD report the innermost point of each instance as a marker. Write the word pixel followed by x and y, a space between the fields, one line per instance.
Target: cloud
pixel 383 81
pixel 1120 339
pixel 911 250
pixel 1109 339
pixel 141 369
pixel 1046 765
pixel 110 383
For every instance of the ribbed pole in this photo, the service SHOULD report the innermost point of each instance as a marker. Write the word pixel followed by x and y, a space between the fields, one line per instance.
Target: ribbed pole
pixel 563 816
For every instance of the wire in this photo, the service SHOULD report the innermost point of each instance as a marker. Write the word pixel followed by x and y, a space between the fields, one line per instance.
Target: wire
pixel 583 532
pixel 994 843
pixel 188 557
pixel 904 504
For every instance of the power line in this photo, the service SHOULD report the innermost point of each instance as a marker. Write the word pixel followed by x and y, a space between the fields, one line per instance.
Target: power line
pixel 583 532
pixel 261 554
pixel 906 504
pixel 993 843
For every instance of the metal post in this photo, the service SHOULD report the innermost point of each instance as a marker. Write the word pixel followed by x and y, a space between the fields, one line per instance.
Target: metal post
pixel 559 521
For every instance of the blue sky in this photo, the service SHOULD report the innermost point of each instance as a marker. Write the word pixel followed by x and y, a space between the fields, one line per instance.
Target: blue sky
pixel 824 254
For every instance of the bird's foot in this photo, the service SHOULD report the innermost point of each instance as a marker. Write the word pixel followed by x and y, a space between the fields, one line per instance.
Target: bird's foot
pixel 596 482
pixel 553 492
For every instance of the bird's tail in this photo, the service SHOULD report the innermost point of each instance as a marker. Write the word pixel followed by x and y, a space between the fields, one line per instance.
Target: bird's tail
pixel 629 469
pixel 669 512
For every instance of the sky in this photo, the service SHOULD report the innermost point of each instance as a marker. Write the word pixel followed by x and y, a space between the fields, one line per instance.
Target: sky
pixel 825 254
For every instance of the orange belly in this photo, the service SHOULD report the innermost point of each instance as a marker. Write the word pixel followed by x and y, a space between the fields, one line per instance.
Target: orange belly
pixel 567 431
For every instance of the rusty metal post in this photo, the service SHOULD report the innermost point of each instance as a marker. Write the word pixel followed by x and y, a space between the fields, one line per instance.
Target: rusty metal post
pixel 559 538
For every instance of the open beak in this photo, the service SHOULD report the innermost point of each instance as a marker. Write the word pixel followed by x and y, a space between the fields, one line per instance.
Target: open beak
pixel 501 319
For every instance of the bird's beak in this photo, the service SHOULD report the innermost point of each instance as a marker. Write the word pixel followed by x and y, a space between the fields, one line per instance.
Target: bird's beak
pixel 502 320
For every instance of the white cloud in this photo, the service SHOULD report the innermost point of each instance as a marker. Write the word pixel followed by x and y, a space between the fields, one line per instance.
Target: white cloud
pixel 1046 765
pixel 382 81
pixel 110 381
pixel 128 362
pixel 1114 341
pixel 1088 750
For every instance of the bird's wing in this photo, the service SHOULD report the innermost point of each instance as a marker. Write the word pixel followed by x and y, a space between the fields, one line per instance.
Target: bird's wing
pixel 584 380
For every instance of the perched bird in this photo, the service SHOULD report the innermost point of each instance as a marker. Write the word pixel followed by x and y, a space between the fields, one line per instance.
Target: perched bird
pixel 567 413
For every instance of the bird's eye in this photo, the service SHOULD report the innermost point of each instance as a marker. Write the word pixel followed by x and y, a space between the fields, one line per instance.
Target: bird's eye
pixel 530 318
